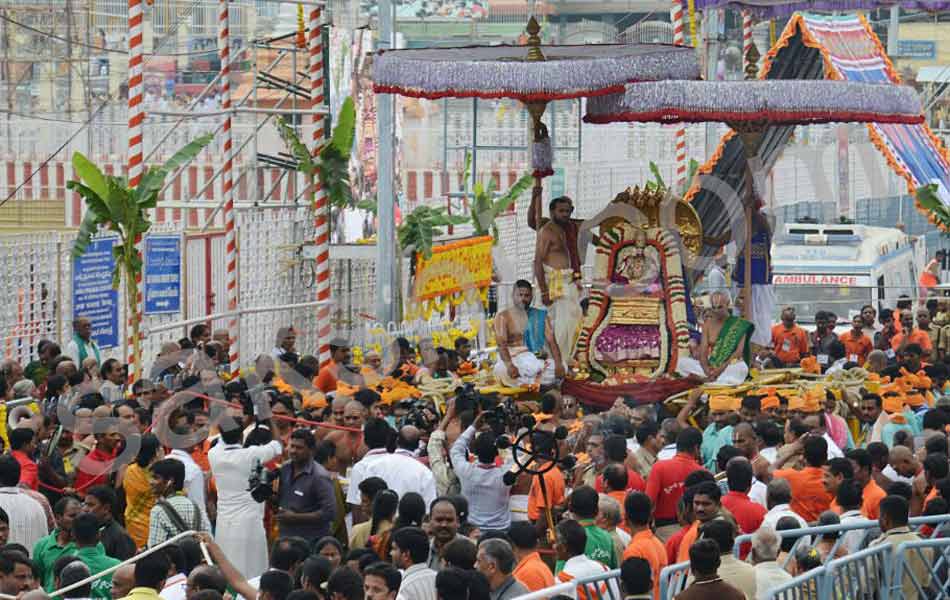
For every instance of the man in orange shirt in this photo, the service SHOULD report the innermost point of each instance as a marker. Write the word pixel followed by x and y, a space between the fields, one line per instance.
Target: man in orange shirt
pixel 871 492
pixel 554 492
pixel 810 498
pixel 789 341
pixel 530 570
pixel 916 336
pixel 707 505
pixel 615 486
pixel 339 355
pixel 857 346
pixel 644 544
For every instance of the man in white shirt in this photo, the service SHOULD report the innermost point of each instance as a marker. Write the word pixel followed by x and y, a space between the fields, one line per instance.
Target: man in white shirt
pixel 778 500
pixel 669 429
pixel 483 481
pixel 569 546
pixel 849 499
pixel 401 473
pixel 768 573
pixel 240 524
pixel 82 346
pixel 410 550
pixel 23 516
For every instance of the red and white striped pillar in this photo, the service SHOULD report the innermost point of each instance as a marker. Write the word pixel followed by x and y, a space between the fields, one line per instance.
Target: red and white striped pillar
pixel 321 207
pixel 136 122
pixel 746 37
pixel 679 39
pixel 227 188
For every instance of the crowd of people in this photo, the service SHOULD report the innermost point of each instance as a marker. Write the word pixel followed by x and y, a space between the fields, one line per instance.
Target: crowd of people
pixel 320 483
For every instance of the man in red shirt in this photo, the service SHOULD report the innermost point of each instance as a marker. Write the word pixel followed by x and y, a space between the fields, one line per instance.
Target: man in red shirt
pixel 22 447
pixel 789 341
pixel 615 451
pixel 96 467
pixel 810 498
pixel 665 484
pixel 748 514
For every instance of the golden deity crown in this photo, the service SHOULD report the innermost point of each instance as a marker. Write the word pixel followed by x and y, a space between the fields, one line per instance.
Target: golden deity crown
pixel 647 200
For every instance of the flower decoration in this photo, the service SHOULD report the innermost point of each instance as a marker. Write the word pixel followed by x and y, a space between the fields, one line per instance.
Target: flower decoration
pixel 809 364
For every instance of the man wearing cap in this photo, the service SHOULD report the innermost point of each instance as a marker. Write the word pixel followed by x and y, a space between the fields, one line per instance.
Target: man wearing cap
pixel 771 405
pixel 719 432
pixel 893 419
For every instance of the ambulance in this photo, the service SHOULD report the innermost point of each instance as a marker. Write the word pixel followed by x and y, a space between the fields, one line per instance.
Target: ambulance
pixel 840 268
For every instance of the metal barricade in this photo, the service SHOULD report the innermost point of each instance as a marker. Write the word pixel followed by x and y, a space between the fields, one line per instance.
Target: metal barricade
pixel 590 584
pixel 939 523
pixel 857 575
pixel 919 570
pixel 804 587
pixel 673 580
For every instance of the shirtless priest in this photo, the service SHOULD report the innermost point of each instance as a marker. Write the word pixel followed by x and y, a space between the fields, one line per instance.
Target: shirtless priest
pixel 557 267
pixel 521 333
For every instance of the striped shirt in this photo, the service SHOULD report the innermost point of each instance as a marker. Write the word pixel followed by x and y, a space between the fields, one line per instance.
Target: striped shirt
pixel 27 519
pixel 418 583
pixel 162 528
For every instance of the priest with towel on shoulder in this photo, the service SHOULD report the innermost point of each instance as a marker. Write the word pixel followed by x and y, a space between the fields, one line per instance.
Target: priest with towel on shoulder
pixel 724 350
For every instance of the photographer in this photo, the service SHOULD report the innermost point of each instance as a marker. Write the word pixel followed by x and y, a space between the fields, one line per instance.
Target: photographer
pixel 240 524
pixel 482 483
pixel 306 498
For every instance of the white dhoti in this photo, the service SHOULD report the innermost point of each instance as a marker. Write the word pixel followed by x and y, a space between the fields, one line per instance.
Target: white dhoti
pixel 531 369
pixel 763 308
pixel 734 374
pixel 565 310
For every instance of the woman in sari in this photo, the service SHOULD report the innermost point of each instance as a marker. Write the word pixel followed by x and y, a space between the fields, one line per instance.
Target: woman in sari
pixel 139 499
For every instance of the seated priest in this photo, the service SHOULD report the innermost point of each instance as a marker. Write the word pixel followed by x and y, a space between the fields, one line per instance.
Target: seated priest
pixel 528 354
pixel 724 350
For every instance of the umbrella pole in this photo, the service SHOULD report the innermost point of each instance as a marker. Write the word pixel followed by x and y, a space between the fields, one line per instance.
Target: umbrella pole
pixel 751 137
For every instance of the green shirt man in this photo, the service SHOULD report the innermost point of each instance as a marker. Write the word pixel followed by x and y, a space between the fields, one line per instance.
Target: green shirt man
pixel 600 546
pixel 96 559
pixel 47 551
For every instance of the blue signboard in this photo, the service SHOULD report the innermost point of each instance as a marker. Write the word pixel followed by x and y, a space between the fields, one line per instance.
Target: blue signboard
pixel 162 274
pixel 919 49
pixel 93 296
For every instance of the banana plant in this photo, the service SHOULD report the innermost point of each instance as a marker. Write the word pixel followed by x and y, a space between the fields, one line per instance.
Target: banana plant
pixel 484 207
pixel 331 165
pixel 927 198
pixel 115 206
pixel 422 225
pixel 659 184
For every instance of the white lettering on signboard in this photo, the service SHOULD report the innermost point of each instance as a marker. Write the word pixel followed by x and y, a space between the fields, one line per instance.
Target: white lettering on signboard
pixel 820 279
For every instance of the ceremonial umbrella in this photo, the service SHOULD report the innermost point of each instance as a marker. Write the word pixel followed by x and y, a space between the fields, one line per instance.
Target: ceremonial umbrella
pixel 749 107
pixel 783 8
pixel 534 73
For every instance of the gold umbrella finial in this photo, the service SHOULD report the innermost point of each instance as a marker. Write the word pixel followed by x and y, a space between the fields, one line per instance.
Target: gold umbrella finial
pixel 752 62
pixel 534 40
